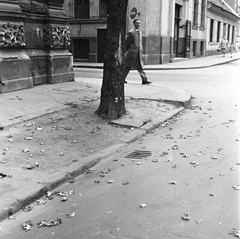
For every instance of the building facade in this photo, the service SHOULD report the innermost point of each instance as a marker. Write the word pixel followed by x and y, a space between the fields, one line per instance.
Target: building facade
pixel 172 30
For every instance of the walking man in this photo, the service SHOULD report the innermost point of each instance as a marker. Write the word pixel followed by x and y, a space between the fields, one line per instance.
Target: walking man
pixel 134 52
pixel 223 45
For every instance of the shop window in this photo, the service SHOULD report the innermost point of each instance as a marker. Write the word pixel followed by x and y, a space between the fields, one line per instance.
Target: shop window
pixel 228 33
pixel 82 10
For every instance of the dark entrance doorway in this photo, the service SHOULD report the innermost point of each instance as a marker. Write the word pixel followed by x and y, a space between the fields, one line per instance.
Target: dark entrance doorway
pixel 176 29
pixel 101 43
pixel 81 49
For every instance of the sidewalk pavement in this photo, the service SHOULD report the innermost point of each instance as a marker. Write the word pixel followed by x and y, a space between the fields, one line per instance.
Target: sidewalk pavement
pixel 196 63
pixel 20 109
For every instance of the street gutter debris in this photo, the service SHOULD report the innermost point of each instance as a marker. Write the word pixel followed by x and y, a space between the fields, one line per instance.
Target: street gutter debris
pixel 41 202
pixel 172 182
pixel 110 181
pixel 125 183
pixel 143 205
pixel 199 221
pixel 155 160
pixel 175 147
pixel 214 157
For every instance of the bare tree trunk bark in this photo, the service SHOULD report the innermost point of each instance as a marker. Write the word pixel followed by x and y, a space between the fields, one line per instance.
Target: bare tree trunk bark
pixel 112 103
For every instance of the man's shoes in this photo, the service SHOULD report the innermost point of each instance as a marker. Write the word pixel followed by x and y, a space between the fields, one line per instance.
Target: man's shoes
pixel 146 82
pixel 125 82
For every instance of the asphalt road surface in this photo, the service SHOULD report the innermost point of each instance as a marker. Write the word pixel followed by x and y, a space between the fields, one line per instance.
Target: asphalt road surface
pixel 185 185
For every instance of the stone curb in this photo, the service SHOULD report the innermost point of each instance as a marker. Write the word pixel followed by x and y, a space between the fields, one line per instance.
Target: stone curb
pixel 73 172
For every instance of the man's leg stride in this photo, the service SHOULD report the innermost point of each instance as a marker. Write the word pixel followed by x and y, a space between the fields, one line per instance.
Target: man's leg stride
pixel 144 77
pixel 125 73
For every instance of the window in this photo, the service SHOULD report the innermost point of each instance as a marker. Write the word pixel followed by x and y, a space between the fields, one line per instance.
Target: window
pixel 218 31
pixel 103 9
pixel 195 13
pixel 82 9
pixel 224 30
pixel 228 33
pixel 233 33
pixel 211 30
pixel 203 13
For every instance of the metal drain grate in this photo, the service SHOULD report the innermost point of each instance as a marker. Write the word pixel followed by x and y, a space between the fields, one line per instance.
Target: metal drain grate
pixel 139 154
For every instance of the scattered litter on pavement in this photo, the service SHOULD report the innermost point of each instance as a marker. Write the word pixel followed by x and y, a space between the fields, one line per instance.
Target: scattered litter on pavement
pixel 51 223
pixel 139 163
pixel 68 128
pixel 10 140
pixel 199 221
pixel 61 154
pixel 12 218
pixel 89 171
pixel 72 180
pixel 235 232
pixel 29 138
pixel 64 199
pixel 109 212
pixel 194 163
pixel 39 128
pixel 236 187
pixel 30 167
pixel 49 195
pixel 214 157
pixel 110 181
pixel 6 149
pixel 172 182
pixel 221 175
pixel 96 181
pixel 27 208
pixel 29 124
pixel 106 171
pixel 115 160
pixel 41 202
pixel 26 150
pixel 70 214
pixel 211 194
pixel 186 216
pixel 26 226
pixel 184 154
pixel 3 175
pixel 232 168
pixel 174 166
pixel 175 147
pixel 155 160
pixel 125 183
pixel 143 205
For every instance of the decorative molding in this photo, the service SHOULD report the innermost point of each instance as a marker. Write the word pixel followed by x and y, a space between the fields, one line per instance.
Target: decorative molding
pixel 56 36
pixel 12 35
pixel 33 7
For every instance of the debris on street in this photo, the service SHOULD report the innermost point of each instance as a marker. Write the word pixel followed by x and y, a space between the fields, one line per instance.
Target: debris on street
pixel 143 205
pixel 186 216
pixel 70 215
pixel 3 175
pixel 235 232
pixel 26 226
pixel 172 182
pixel 32 166
pixel 51 223
pixel 236 187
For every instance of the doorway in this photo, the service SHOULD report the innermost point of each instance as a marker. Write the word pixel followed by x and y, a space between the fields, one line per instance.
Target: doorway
pixel 176 29
pixel 101 44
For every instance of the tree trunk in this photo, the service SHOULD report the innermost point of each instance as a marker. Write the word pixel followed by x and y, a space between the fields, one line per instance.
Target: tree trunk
pixel 112 103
